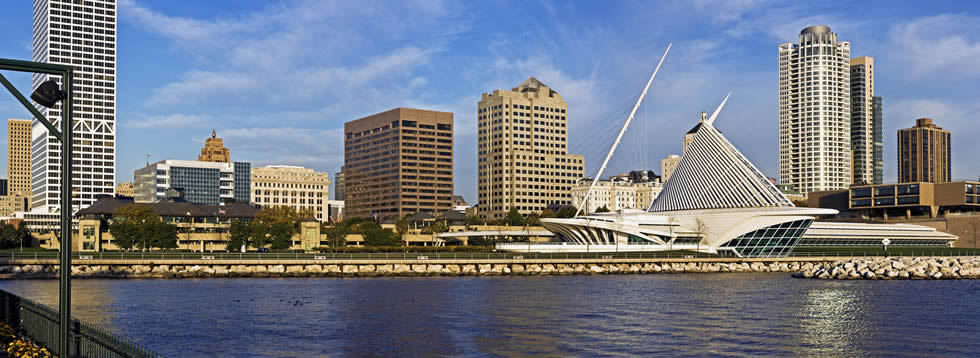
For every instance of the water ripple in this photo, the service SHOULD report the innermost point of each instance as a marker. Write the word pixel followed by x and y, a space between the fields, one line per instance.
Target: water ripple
pixel 735 315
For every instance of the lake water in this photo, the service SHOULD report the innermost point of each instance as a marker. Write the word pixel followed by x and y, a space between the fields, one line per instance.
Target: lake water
pixel 666 315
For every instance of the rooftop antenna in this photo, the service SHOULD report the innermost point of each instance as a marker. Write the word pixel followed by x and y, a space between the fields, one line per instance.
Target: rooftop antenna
pixel 621 132
pixel 147 159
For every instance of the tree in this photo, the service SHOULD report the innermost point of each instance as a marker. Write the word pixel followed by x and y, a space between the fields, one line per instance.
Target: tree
pixel 124 234
pixel 802 203
pixel 259 233
pixel 240 235
pixel 375 235
pixel 304 213
pixel 281 235
pixel 437 227
pixel 401 226
pixel 10 236
pixel 547 213
pixel 602 209
pixel 474 220
pixel 337 235
pixel 670 228
pixel 514 218
pixel 565 213
pixel 136 213
pixel 134 225
pixel 23 236
pixel 277 214
pixel 162 235
pixel 533 220
pixel 480 241
pixel 701 228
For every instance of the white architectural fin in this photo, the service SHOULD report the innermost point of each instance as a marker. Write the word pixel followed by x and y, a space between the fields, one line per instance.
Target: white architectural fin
pixel 711 120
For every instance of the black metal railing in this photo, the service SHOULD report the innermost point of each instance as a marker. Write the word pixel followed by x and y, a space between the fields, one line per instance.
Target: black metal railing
pixel 39 323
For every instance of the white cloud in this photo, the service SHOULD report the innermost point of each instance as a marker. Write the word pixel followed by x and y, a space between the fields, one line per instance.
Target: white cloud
pixel 315 148
pixel 946 44
pixel 177 120
pixel 726 11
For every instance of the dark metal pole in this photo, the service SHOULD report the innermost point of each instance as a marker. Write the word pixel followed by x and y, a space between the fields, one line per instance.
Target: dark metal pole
pixel 64 300
pixel 65 136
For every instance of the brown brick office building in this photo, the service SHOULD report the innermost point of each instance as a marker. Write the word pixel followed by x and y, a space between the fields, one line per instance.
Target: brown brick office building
pixel 397 163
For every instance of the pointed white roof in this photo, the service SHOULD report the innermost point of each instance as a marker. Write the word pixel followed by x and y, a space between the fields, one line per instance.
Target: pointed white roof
pixel 713 174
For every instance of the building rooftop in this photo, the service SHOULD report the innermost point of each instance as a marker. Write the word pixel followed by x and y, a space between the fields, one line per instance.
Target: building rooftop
pixel 107 206
pixel 817 29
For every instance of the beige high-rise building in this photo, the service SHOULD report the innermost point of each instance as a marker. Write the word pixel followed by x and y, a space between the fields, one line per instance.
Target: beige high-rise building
pixel 668 166
pixel 815 112
pixel 863 119
pixel 214 150
pixel 19 157
pixel 300 188
pixel 523 160
pixel 18 190
pixel 397 163
pixel 125 189
pixel 924 153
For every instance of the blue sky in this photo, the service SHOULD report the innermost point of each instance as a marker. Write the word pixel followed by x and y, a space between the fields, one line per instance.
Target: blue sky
pixel 277 79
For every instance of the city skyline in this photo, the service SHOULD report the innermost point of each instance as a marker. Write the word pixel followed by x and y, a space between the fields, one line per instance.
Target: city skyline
pixel 593 65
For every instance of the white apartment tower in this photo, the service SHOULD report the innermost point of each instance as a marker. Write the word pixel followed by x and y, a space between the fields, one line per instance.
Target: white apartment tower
pixel 815 112
pixel 82 34
pixel 523 160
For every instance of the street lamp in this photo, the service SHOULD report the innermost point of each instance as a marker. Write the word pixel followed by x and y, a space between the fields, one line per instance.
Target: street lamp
pixel 48 95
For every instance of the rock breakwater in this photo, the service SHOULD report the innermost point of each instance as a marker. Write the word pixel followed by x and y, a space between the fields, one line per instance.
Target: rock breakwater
pixel 402 268
pixel 897 268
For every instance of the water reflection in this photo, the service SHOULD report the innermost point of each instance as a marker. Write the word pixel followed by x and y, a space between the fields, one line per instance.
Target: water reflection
pixel 677 314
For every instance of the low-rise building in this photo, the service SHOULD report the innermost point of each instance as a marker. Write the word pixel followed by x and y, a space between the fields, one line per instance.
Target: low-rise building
pixel 300 188
pixel 200 228
pixel 619 192
pixel 903 200
pixel 952 207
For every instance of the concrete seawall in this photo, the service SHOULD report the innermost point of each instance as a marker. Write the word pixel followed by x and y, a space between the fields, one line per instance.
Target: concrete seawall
pixel 47 268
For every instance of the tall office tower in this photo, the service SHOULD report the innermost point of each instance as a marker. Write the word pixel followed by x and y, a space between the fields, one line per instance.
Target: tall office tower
pixel 81 34
pixel 19 157
pixel 924 153
pixel 523 160
pixel 338 186
pixel 296 187
pixel 214 150
pixel 877 125
pixel 862 119
pixel 398 162
pixel 815 112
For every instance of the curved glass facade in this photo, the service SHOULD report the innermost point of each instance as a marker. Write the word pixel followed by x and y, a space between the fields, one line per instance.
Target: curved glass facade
pixel 771 241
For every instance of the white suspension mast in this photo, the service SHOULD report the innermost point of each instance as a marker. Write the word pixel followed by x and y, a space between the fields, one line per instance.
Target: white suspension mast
pixel 622 132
